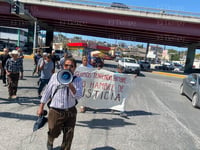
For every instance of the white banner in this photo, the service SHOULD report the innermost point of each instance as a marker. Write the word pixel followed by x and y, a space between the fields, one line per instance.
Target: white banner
pixel 104 89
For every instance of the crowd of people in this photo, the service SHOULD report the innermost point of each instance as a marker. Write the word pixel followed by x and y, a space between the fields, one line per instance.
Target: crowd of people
pixel 63 98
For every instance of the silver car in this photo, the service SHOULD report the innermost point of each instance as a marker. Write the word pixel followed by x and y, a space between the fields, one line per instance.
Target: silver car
pixel 191 88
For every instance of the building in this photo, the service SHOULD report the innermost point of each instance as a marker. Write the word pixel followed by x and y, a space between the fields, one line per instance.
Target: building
pixel 13 37
pixel 155 53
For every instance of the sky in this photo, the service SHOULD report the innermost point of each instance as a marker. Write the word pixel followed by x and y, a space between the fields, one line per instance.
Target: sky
pixel 177 5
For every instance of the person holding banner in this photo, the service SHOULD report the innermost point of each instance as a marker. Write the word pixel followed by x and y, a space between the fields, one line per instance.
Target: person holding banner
pixel 62 112
pixel 120 70
pixel 84 64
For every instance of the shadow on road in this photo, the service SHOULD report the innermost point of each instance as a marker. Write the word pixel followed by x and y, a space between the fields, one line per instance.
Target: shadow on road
pixel 17 116
pixel 139 113
pixel 21 101
pixel 26 87
pixel 104 148
pixel 104 123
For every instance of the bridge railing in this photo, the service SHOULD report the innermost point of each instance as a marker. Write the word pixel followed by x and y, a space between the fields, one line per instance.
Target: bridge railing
pixel 131 8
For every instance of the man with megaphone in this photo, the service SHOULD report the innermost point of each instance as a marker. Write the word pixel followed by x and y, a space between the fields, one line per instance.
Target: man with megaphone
pixel 64 91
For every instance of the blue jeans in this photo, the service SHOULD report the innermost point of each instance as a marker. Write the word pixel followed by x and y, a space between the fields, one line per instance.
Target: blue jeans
pixel 42 84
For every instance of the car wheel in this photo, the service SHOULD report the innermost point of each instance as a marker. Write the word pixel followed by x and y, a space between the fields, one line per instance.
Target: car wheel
pixel 195 100
pixel 181 90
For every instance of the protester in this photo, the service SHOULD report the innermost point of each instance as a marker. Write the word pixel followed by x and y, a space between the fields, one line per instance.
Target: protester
pixel 36 58
pixel 120 70
pixel 13 67
pixel 47 69
pixel 62 60
pixel 84 64
pixel 99 66
pixel 4 57
pixel 55 59
pixel 44 55
pixel 62 113
pixel 21 56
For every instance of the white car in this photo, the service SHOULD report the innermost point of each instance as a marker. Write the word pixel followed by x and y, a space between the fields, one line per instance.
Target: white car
pixel 129 65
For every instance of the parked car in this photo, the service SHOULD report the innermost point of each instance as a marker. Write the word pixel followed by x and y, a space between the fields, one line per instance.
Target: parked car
pixel 117 58
pixel 129 65
pixel 191 88
pixel 145 65
pixel 165 66
pixel 178 67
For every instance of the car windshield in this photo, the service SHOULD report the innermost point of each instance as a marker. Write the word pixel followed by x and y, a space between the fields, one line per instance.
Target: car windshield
pixel 130 60
pixel 59 51
pixel 144 62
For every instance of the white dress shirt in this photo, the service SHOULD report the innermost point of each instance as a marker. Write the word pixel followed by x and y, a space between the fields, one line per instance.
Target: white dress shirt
pixel 63 98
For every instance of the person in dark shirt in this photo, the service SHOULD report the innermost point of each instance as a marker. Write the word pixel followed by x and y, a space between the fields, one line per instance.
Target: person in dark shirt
pixel 55 59
pixel 36 58
pixel 21 56
pixel 4 57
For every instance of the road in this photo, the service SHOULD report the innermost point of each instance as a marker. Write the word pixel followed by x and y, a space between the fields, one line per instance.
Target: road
pixel 159 118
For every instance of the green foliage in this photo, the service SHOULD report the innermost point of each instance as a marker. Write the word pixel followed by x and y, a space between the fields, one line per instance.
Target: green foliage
pixel 197 56
pixel 140 45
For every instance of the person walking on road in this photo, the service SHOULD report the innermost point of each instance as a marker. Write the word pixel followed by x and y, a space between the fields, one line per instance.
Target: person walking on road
pixel 84 64
pixel 62 60
pixel 36 58
pixel 62 113
pixel 4 57
pixel 47 69
pixel 13 67
pixel 21 56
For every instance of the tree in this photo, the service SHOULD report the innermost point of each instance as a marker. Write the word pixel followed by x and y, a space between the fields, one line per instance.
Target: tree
pixel 174 55
pixel 140 45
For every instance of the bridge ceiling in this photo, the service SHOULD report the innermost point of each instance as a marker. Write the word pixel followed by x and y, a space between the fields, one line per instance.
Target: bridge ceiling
pixel 111 26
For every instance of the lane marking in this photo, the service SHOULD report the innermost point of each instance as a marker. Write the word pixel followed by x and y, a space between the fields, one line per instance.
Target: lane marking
pixel 173 115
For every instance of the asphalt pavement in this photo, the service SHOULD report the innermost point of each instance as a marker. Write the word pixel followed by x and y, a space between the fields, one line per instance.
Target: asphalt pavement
pixel 95 130
pixel 18 116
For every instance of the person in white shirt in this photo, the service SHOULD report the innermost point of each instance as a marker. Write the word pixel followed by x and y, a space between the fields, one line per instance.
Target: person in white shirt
pixel 84 64
pixel 62 113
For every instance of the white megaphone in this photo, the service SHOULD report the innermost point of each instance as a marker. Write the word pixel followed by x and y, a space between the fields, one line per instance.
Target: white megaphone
pixel 65 77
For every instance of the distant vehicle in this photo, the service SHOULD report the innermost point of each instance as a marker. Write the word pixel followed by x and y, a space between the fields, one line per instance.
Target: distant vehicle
pixel 117 58
pixel 96 61
pixel 145 65
pixel 165 66
pixel 59 53
pixel 129 65
pixel 107 57
pixel 119 5
pixel 191 88
pixel 178 67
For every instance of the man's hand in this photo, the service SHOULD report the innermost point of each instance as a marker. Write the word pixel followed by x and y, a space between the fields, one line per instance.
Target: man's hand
pixel 71 87
pixel 40 109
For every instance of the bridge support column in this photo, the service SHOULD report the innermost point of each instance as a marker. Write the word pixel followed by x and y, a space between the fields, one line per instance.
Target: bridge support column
pixel 147 50
pixel 30 39
pixel 49 40
pixel 190 59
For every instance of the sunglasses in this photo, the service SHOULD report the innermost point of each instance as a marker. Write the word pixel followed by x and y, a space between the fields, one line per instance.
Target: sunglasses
pixel 66 65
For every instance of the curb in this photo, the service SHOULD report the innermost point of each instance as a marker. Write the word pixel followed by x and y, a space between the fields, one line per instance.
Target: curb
pixel 29 56
pixel 169 74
